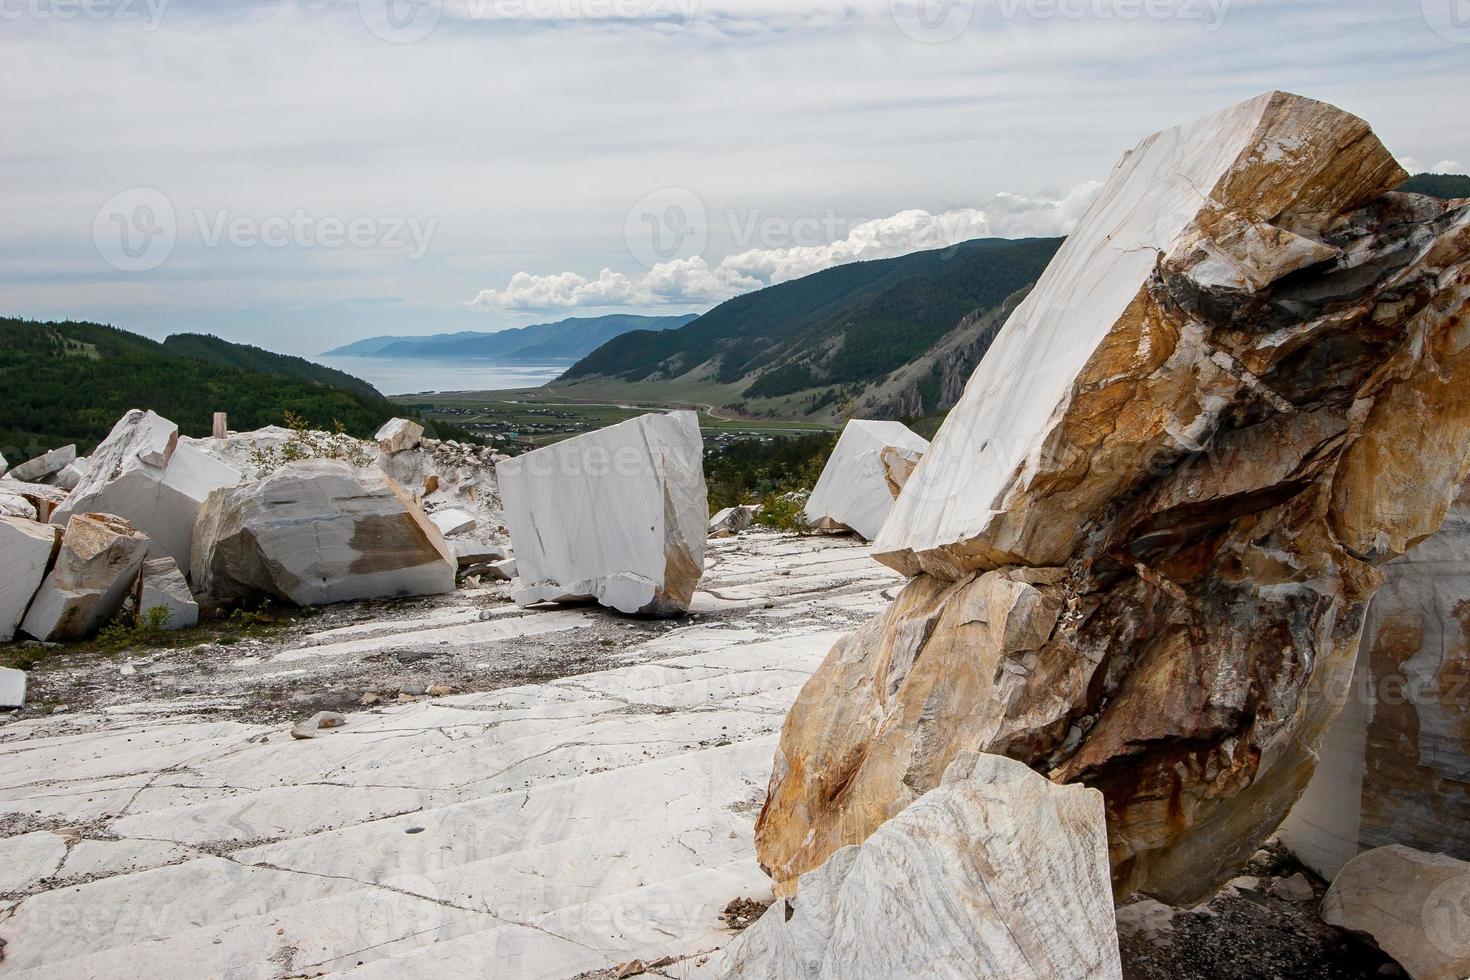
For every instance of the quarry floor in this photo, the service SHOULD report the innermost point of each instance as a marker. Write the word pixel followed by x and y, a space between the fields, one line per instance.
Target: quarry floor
pixel 584 798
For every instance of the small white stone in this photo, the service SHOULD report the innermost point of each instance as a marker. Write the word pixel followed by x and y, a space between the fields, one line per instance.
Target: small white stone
pixel 12 688
pixel 451 522
pixel 399 435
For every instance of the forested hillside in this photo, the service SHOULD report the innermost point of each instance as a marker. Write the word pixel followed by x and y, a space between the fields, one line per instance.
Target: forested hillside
pixel 69 382
pixel 1450 187
pixel 809 346
pixel 207 347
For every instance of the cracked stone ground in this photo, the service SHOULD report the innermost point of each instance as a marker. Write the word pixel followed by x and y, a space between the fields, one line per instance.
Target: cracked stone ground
pixel 587 798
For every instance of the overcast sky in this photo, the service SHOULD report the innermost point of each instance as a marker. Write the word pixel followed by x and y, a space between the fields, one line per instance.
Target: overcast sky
pixel 302 173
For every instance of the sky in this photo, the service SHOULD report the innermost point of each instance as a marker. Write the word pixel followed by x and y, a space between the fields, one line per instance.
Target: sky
pixel 298 174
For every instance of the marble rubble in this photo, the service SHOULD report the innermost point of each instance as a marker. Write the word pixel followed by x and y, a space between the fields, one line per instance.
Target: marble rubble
pixel 144 473
pixel 316 532
pixel 1395 768
pixel 996 874
pixel 1414 906
pixel 45 466
pixel 863 476
pixel 162 585
pixel 618 516
pixel 732 520
pixel 95 572
pixel 12 687
pixel 27 549
pixel 14 505
pixel 42 499
pixel 399 435
pixel 452 522
pixel 1144 541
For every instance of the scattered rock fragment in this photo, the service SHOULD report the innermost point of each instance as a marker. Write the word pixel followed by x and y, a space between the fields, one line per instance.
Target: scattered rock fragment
pixel 1294 889
pixel 317 723
pixel 732 520
pixel 451 522
pixel 399 435
pixel 1414 906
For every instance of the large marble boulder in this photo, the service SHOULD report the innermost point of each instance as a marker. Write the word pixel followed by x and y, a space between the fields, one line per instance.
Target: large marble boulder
pixel 163 586
pixel 1414 906
pixel 144 473
pixel 863 476
pixel 997 874
pixel 95 572
pixel 27 549
pixel 316 532
pixel 14 505
pixel 1395 768
pixel 1145 540
pixel 618 516
pixel 45 466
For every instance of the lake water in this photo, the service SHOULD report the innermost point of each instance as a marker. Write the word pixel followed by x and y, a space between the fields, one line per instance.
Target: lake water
pixel 416 375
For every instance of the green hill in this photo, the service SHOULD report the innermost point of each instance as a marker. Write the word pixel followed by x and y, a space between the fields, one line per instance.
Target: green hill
pixel 569 338
pixel 207 347
pixel 1447 186
pixel 809 346
pixel 70 382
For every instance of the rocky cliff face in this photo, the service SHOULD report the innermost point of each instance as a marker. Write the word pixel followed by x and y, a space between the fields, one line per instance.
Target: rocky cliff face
pixel 1144 541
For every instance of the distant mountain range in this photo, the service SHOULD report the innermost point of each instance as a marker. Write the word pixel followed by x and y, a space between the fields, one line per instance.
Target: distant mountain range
pixel 811 347
pixel 884 339
pixel 572 338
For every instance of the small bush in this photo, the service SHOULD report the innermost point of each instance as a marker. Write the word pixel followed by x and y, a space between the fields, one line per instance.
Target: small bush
pixel 308 443
pixel 784 512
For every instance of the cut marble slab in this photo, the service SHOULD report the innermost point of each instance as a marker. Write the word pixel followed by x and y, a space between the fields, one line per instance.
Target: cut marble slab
pixel 44 466
pixel 12 687
pixel 861 479
pixel 94 573
pixel 618 516
pixel 163 586
pixel 27 549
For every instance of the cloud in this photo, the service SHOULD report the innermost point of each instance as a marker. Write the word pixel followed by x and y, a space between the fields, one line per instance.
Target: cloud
pixel 694 280
pixel 1446 167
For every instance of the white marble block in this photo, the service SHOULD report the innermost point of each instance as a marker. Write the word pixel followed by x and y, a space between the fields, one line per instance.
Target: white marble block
pixel 45 466
pixel 12 688
pixel 399 435
pixel 27 550
pixel 317 532
pixel 855 490
pixel 95 571
pixel 618 516
pixel 143 473
pixel 163 586
pixel 998 874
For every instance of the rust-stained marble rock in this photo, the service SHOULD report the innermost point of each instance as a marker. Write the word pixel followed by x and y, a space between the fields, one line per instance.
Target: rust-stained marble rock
pixel 1145 540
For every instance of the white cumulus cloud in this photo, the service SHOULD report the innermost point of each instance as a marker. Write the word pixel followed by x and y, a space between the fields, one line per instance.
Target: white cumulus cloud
pixel 694 280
